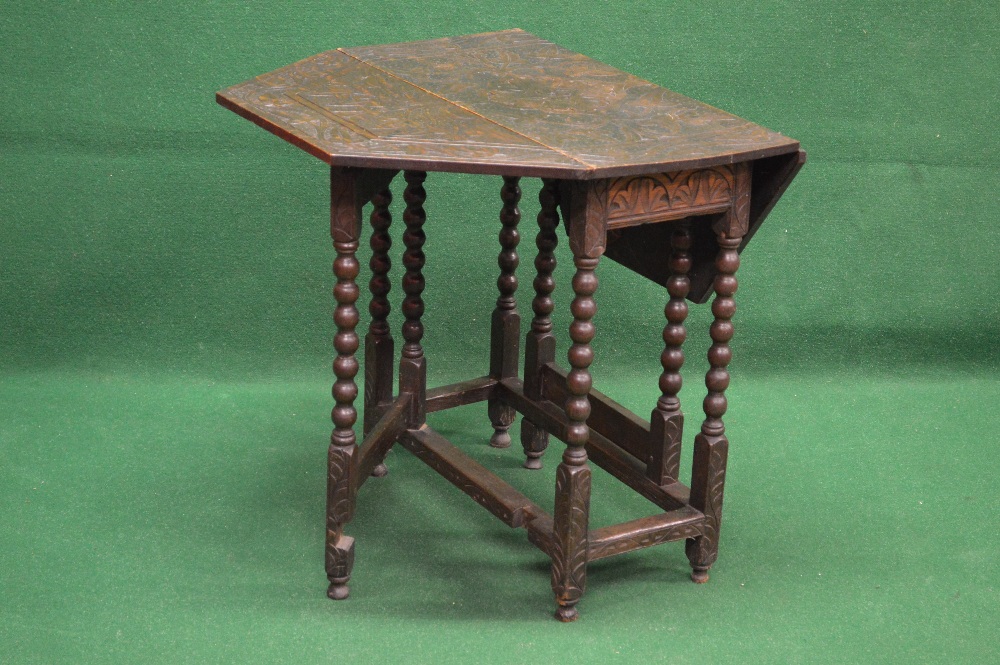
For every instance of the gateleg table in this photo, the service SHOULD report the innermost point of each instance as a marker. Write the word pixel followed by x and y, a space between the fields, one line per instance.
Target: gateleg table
pixel 669 187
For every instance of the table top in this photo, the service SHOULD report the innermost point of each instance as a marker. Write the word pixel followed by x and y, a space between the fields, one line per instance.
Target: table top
pixel 500 103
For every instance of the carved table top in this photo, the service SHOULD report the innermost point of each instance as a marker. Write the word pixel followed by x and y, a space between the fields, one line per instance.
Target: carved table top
pixel 498 103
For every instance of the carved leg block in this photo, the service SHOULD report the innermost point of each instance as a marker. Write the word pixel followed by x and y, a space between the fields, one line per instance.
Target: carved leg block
pixel 339 561
pixel 539 350
pixel 413 379
pixel 708 478
pixel 665 432
pixel 506 330
pixel 342 464
pixel 569 550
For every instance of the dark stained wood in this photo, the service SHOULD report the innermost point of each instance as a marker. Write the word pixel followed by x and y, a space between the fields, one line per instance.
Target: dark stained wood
pixel 711 447
pixel 598 115
pixel 548 415
pixel 379 348
pixel 572 506
pixel 506 103
pixel 638 247
pixel 660 197
pixel 413 365
pixel 540 533
pixel 540 343
pixel 585 207
pixel 458 394
pixel 666 423
pixel 488 490
pixel 669 187
pixel 382 436
pixel 346 200
pixel 602 451
pixel 607 417
pixel 685 522
pixel 611 457
pixel 505 328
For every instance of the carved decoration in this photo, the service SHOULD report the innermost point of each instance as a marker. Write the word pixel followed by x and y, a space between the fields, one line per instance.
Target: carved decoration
pixel 339 562
pixel 569 543
pixel 658 196
pixel 711 447
pixel 641 540
pixel 708 483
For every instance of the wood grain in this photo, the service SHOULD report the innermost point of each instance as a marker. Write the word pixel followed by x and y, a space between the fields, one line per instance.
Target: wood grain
pixel 506 103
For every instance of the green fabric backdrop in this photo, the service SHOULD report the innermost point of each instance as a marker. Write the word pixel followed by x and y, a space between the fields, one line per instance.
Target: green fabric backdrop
pixel 165 344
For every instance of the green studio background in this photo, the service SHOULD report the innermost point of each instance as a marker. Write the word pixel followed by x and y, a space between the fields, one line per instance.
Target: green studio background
pixel 165 344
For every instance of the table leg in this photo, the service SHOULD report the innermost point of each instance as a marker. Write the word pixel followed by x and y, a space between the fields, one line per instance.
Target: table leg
pixel 572 504
pixel 711 447
pixel 413 366
pixel 379 354
pixel 540 343
pixel 343 453
pixel 667 422
pixel 505 330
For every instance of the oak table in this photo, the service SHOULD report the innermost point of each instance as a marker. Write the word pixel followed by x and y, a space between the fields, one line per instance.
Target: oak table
pixel 669 187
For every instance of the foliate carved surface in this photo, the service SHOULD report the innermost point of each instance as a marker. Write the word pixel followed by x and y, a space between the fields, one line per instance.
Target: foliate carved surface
pixel 666 430
pixel 341 483
pixel 635 199
pixel 339 557
pixel 648 539
pixel 569 546
pixel 707 495
pixel 585 208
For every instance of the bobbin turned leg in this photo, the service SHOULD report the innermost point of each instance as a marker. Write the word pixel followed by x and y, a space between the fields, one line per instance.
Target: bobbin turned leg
pixel 345 222
pixel 505 330
pixel 666 424
pixel 711 447
pixel 413 366
pixel 379 355
pixel 572 505
pixel 540 343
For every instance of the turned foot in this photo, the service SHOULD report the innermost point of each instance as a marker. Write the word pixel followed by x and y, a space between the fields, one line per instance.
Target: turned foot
pixel 338 591
pixel 533 460
pixel 699 575
pixel 380 470
pixel 567 614
pixel 500 438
